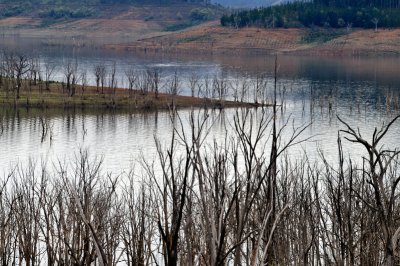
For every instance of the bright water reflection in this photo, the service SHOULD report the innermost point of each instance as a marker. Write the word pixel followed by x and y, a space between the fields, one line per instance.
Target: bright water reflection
pixel 363 91
pixel 123 140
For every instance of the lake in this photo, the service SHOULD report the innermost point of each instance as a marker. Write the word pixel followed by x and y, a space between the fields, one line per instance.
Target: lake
pixel 363 91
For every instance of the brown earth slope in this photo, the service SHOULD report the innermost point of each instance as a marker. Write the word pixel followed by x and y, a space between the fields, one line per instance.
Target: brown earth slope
pixel 113 24
pixel 213 38
pixel 360 42
pixel 143 28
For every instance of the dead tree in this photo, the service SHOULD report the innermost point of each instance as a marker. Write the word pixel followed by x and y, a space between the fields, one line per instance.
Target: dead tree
pixel 383 180
pixel 20 66
pixel 138 229
pixel 84 81
pixel 132 77
pixel 260 85
pixel 27 206
pixel 99 73
pixel 375 21
pixel 206 87
pixel 71 77
pixel 174 85
pixel 156 82
pixel 112 78
pixel 7 225
pixel 172 191
pixel 143 82
pixel 244 85
pixel 102 75
pixel 94 214
pixel 49 70
pixel 2 69
pixel 234 85
pixel 34 70
pixel 193 80
pixel 220 88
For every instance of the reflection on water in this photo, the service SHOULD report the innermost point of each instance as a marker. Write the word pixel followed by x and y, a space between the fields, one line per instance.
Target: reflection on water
pixel 123 139
pixel 118 138
pixel 362 91
pixel 367 72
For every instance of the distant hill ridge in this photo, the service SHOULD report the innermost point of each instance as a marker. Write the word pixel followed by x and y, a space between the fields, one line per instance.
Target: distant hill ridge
pixel 77 9
pixel 93 2
pixel 249 3
pixel 230 3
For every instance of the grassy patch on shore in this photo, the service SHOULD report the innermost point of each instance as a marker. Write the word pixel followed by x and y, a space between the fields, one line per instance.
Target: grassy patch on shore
pixel 179 26
pixel 200 38
pixel 89 98
pixel 321 35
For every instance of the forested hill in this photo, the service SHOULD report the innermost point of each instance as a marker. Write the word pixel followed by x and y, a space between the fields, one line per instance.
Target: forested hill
pixel 230 3
pixel 359 3
pixel 336 3
pixel 248 3
pixel 321 13
pixel 91 2
pixel 77 9
pixel 253 3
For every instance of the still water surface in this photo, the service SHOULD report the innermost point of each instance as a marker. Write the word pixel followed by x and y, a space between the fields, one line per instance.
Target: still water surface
pixel 363 91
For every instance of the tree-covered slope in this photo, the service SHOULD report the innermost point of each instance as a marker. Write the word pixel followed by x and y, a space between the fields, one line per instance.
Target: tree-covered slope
pixel 322 13
pixel 85 2
pixel 180 10
pixel 359 3
pixel 248 3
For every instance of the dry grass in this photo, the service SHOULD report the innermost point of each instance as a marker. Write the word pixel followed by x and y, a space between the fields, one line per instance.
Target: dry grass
pixel 142 28
pixel 213 38
pixel 18 21
pixel 361 42
pixel 90 98
pixel 111 24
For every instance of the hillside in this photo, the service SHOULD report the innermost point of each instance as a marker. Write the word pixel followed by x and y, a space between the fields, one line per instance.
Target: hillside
pixel 248 3
pixel 178 27
pixel 101 9
pixel 91 2
pixel 65 25
pixel 309 14
pixel 213 38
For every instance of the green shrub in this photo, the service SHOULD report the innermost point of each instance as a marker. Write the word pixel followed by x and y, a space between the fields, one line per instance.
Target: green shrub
pixel 201 14
pixel 12 11
pixel 179 16
pixel 63 12
pixel 319 35
pixel 177 27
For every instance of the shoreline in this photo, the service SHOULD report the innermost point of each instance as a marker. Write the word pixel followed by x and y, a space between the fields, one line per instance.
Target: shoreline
pixel 259 51
pixel 119 99
pixel 211 38
pixel 132 33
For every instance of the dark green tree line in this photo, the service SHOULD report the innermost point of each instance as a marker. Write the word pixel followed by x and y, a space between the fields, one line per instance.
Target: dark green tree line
pixel 315 14
pixel 360 3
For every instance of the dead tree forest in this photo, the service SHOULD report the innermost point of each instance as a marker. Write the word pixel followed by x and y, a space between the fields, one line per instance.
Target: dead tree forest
pixel 242 201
